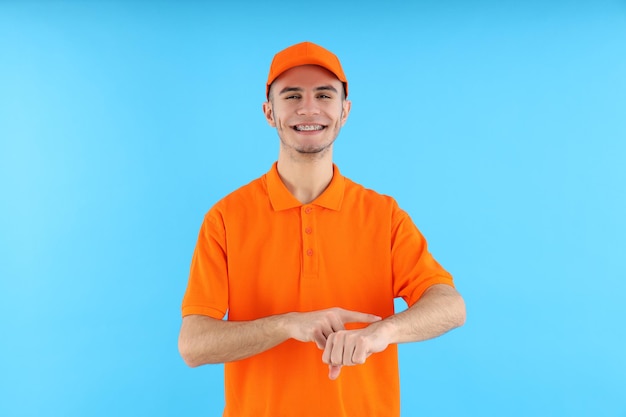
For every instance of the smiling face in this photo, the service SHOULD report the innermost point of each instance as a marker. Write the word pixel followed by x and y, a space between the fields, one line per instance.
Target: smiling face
pixel 308 109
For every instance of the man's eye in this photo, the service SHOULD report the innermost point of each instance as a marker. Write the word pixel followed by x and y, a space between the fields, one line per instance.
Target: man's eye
pixel 324 96
pixel 292 97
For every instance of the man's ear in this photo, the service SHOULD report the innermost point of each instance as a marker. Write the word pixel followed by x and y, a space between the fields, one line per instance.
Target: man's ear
pixel 347 105
pixel 269 113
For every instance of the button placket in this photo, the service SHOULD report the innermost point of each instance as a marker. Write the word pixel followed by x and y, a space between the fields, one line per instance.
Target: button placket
pixel 309 256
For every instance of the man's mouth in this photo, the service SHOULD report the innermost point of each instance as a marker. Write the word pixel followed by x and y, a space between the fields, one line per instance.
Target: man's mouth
pixel 308 128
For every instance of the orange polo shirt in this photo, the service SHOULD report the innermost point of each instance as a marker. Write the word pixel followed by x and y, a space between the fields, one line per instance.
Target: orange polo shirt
pixel 260 252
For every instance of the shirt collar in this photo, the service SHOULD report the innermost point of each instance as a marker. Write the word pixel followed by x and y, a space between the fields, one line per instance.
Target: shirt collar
pixel 282 199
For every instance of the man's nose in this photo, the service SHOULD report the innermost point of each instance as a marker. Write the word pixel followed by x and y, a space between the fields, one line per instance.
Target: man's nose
pixel 308 105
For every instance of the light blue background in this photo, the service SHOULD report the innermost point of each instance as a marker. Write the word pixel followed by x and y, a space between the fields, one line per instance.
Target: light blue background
pixel 499 126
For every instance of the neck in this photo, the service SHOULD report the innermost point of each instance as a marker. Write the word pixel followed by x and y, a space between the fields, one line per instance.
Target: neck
pixel 307 179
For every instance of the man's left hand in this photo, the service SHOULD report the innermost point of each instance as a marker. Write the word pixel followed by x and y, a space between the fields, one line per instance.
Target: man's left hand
pixel 353 347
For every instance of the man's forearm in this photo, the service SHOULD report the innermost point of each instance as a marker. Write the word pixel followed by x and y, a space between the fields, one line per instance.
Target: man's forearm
pixel 205 340
pixel 440 309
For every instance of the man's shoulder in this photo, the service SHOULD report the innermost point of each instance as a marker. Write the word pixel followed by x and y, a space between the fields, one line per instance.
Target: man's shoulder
pixel 243 197
pixel 252 189
pixel 357 193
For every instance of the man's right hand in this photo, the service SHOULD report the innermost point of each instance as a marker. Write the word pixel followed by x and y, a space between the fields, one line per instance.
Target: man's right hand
pixel 316 326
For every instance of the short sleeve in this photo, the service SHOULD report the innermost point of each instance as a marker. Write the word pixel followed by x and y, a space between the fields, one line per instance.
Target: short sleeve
pixel 207 289
pixel 414 268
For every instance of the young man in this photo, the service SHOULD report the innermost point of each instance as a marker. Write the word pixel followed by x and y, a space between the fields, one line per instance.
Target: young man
pixel 306 264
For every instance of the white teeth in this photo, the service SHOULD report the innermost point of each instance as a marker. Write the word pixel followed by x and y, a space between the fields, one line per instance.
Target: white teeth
pixel 309 127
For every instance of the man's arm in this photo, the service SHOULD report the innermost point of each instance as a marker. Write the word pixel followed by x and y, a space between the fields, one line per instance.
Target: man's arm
pixel 206 340
pixel 440 309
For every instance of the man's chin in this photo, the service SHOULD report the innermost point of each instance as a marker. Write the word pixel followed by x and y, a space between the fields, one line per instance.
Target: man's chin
pixel 313 151
pixel 310 149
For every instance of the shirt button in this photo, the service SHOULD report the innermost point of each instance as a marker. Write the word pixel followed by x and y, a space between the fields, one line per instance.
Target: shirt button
pixel 308 210
pixel 308 230
pixel 309 252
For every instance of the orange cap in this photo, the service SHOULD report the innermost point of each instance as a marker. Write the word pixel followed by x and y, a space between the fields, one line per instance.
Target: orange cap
pixel 305 53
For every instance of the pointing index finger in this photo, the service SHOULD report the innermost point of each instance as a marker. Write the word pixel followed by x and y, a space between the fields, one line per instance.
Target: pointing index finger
pixel 349 316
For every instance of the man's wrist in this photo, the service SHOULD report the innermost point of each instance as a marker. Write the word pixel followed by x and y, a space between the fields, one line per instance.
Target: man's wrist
pixel 278 326
pixel 386 329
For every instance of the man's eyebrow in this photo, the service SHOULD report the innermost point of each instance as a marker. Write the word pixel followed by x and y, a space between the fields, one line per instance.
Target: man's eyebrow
pixel 290 90
pixel 326 88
